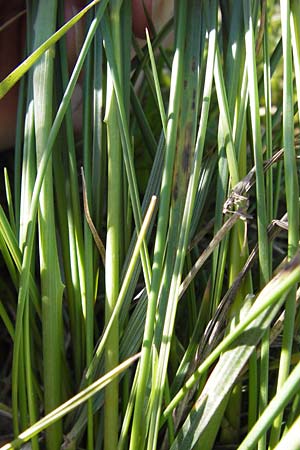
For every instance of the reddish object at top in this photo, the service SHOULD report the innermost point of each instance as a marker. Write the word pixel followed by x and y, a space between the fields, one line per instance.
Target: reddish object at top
pixel 139 17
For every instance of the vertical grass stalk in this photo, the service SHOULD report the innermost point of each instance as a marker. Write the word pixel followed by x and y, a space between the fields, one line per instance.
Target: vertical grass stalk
pixel 264 355
pixel 51 285
pixel 138 425
pixel 292 201
pixel 114 234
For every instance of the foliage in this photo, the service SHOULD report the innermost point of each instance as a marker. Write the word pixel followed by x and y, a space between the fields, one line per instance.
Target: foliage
pixel 152 297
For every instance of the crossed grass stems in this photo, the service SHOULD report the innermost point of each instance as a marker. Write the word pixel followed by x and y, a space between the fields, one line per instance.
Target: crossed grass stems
pixel 225 330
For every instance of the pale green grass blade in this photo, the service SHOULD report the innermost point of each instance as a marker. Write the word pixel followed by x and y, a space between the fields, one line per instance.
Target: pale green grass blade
pixel 19 147
pixel 229 166
pixel 262 219
pixel 292 201
pixel 174 105
pixel 6 320
pixel 276 406
pixel 74 259
pixel 14 76
pixel 9 238
pixel 126 144
pixel 272 293
pixel 51 284
pixel 143 123
pixel 226 167
pixel 225 122
pixel 185 367
pixel 157 87
pixel 70 405
pixel 257 146
pixel 265 345
pixel 207 92
pixel 99 157
pixel 153 188
pixel 125 283
pixel 28 167
pixel 291 439
pixel 295 35
pixel 25 272
pixel 115 234
pixel 266 306
pixel 9 262
pixel 88 270
pixel 132 337
pixel 31 392
pixel 185 183
pixel 9 201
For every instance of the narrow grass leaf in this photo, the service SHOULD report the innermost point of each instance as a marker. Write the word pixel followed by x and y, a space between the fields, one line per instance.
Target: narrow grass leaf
pixel 70 405
pixel 14 76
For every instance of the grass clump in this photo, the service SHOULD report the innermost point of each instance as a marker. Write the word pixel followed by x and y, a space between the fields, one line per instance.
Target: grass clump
pixel 150 248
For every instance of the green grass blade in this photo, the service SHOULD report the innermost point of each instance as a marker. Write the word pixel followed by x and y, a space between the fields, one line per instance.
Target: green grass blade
pixel 30 230
pixel 71 404
pixel 174 105
pixel 126 144
pixel 257 145
pixel 156 82
pixel 51 284
pixel 14 76
pixel 292 196
pixel 290 439
pixel 288 389
pixel 114 236
pixel 274 291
